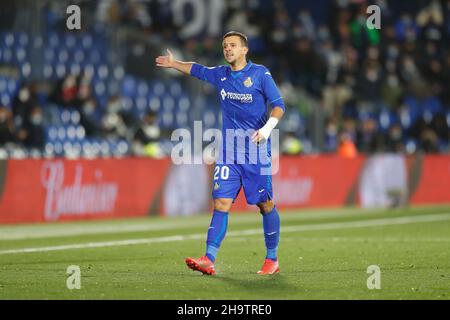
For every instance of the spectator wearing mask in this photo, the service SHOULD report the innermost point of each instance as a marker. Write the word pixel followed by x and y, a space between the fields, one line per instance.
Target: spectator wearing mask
pixel 32 132
pixel 23 103
pixel 146 138
pixel 89 118
pixel 113 124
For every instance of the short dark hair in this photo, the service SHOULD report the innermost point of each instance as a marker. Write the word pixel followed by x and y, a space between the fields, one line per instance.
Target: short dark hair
pixel 242 36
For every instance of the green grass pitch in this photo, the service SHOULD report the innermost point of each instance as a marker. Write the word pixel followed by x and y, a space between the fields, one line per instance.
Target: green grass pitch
pixel 324 254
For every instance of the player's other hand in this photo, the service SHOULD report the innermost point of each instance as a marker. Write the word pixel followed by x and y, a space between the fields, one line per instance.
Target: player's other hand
pixel 165 61
pixel 258 137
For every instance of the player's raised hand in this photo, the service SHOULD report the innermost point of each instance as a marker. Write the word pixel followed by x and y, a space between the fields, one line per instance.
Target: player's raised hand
pixel 165 61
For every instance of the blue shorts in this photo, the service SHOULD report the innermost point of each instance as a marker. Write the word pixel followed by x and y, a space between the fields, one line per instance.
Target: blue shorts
pixel 229 178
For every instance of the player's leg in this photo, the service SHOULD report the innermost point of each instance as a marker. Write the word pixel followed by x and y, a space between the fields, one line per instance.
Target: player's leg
pixel 218 226
pixel 226 186
pixel 258 190
pixel 271 226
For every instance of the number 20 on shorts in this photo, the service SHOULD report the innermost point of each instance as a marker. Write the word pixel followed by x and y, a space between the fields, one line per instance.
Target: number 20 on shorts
pixel 224 173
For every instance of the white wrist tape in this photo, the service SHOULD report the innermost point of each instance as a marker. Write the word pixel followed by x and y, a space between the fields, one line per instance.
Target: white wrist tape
pixel 268 127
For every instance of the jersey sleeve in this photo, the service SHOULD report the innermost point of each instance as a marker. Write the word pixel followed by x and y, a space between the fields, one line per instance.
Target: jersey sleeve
pixel 208 74
pixel 271 91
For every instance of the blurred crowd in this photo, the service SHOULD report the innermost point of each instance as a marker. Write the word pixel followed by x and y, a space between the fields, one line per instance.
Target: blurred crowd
pixel 376 89
pixel 382 90
pixel 26 123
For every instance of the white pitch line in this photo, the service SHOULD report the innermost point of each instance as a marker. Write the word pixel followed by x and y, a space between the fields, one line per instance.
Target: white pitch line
pixel 310 227
pixel 53 230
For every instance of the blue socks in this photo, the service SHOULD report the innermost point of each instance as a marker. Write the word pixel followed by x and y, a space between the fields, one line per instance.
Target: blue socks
pixel 218 228
pixel 216 233
pixel 271 226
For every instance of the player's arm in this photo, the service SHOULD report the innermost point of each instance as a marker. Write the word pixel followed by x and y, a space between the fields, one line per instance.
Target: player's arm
pixel 273 95
pixel 169 62
pixel 266 130
pixel 190 68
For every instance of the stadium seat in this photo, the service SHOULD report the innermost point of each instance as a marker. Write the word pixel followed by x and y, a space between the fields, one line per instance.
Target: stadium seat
pixel 94 57
pixel 167 120
pixel 79 56
pixel 113 87
pixel 122 148
pixel 61 133
pixel 64 116
pixel 62 56
pixel 8 40
pixel 49 149
pixel 49 55
pixel 100 88
pixel 432 105
pixel 20 55
pixel 405 118
pixel 141 104
pixel 158 88
pixel 127 103
pixel 142 88
pixel 12 86
pixel 175 89
pixel 184 103
pixel 3 84
pixel 209 119
pixel 80 133
pixel 23 39
pixel 102 72
pixel 7 55
pixel 53 40
pixel 25 70
pixel 58 148
pixel 74 68
pixel 413 108
pixel 70 41
pixel 48 71
pixel 119 73
pixel 155 104
pixel 128 86
pixel 386 119
pixel 86 41
pixel 71 133
pixel 168 103
pixel 60 70
pixel 411 145
pixel 105 149
pixel 5 99
pixel 181 119
pixel 51 133
pixel 38 42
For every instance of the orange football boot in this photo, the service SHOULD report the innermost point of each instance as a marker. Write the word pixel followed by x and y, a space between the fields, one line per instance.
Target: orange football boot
pixel 269 267
pixel 202 264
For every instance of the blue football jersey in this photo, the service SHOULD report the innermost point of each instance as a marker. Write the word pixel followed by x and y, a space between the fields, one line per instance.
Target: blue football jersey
pixel 244 96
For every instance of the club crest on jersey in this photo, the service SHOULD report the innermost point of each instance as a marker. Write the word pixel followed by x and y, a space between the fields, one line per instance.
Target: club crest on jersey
pixel 216 186
pixel 248 82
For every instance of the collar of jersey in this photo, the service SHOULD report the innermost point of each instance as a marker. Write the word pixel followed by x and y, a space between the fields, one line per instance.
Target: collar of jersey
pixel 236 74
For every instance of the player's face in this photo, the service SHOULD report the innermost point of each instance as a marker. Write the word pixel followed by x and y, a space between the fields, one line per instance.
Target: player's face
pixel 233 49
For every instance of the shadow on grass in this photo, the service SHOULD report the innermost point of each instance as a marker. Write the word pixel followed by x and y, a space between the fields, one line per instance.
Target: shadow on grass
pixel 256 283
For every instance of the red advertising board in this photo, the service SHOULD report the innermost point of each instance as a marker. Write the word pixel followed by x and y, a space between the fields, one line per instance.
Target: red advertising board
pixel 61 189
pixel 312 181
pixel 55 190
pixel 434 181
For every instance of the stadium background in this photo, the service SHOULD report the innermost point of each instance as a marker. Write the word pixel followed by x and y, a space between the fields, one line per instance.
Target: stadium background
pixel 86 118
